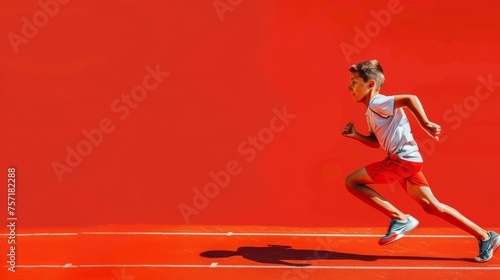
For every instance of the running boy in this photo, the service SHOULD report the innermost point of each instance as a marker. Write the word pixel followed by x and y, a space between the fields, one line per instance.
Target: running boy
pixel 389 127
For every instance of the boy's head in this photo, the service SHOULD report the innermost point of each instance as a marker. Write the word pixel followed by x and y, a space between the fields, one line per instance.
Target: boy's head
pixel 366 79
pixel 369 70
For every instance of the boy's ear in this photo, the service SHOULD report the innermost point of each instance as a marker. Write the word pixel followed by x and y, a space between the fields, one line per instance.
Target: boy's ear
pixel 371 84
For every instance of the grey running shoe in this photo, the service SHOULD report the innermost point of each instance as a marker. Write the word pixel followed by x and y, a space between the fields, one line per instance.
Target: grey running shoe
pixel 488 247
pixel 398 229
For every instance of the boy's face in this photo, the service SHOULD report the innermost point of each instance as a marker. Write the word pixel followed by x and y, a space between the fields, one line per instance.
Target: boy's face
pixel 359 88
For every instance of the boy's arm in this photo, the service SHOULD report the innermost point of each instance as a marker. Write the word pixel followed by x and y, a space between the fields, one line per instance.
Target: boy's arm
pixel 370 140
pixel 413 104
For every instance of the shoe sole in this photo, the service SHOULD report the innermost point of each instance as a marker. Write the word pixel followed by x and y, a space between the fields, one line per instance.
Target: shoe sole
pixel 398 236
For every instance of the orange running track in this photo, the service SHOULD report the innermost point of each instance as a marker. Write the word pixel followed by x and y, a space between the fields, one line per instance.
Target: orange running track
pixel 244 252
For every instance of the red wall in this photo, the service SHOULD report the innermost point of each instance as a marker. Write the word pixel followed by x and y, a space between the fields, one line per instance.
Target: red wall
pixel 233 67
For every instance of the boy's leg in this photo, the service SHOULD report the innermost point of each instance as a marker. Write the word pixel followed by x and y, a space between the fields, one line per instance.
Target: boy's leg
pixel 424 196
pixel 489 241
pixel 356 184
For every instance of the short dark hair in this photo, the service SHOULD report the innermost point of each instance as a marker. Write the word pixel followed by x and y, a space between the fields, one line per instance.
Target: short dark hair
pixel 370 69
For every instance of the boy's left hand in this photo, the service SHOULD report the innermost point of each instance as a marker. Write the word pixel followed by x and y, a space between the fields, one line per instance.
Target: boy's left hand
pixel 433 129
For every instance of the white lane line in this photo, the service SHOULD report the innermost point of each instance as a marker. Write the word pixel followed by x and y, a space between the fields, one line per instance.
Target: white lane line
pixel 48 266
pixel 233 234
pixel 215 265
pixel 43 234
pixel 156 233
pixel 271 234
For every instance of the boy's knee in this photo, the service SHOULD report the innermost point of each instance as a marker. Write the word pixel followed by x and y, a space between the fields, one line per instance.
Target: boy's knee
pixel 348 181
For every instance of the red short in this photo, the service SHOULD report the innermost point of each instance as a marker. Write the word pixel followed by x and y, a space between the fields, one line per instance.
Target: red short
pixel 394 169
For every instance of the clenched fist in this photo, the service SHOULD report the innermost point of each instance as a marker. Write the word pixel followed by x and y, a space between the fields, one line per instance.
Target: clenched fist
pixel 433 129
pixel 349 130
